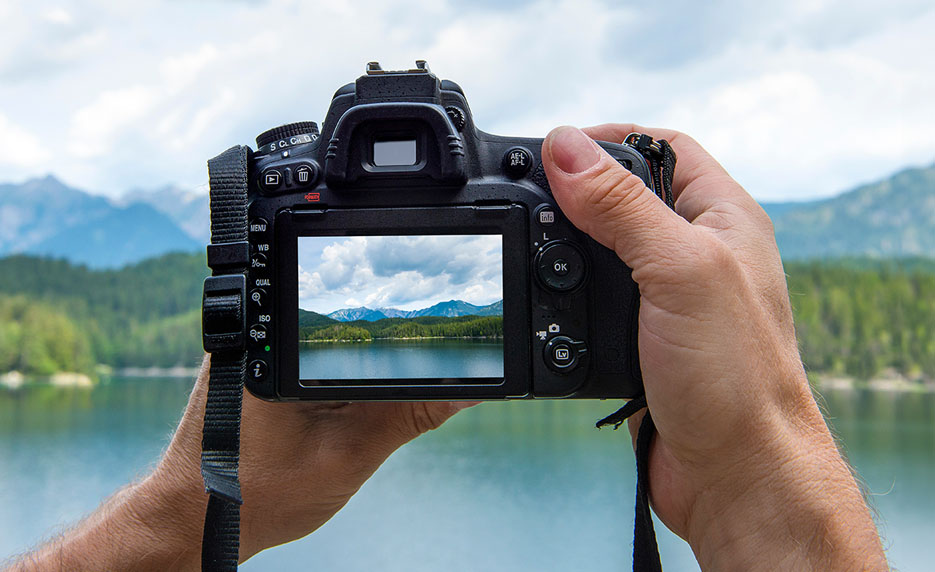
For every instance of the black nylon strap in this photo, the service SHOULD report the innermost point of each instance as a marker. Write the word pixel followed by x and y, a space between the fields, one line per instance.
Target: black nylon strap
pixel 220 548
pixel 645 550
pixel 227 175
pixel 220 456
pixel 220 442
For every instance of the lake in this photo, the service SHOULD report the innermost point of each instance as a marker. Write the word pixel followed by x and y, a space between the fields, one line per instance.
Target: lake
pixel 502 486
pixel 402 358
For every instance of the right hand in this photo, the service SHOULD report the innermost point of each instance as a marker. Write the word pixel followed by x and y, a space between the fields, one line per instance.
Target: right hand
pixel 743 466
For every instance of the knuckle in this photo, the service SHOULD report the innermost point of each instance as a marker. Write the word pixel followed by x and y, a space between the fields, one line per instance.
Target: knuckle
pixel 613 190
pixel 713 262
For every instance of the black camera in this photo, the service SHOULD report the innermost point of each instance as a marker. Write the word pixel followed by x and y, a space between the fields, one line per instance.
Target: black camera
pixel 403 254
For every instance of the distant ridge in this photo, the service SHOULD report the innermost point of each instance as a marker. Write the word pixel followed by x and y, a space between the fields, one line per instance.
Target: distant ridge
pixel 891 218
pixel 46 217
pixel 449 309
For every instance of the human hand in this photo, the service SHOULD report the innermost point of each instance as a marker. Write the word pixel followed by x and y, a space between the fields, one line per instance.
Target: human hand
pixel 299 464
pixel 743 466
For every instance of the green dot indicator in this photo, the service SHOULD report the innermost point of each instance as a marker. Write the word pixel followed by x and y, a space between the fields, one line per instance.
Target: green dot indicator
pixel 267 348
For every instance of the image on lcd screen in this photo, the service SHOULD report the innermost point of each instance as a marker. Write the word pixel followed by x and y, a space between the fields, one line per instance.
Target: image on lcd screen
pixel 400 307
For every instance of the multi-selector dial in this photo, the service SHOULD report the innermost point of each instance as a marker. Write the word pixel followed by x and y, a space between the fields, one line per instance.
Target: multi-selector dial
pixel 560 266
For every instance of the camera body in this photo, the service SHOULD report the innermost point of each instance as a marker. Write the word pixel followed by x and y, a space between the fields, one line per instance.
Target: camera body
pixel 403 254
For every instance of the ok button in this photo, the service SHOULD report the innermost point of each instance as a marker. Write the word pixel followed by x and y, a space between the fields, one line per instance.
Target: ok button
pixel 560 267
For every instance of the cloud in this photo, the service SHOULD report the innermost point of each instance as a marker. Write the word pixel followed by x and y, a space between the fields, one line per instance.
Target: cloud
pixel 146 91
pixel 404 272
pixel 96 127
pixel 19 147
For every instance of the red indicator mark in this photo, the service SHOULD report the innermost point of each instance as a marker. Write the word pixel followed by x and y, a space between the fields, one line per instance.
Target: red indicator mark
pixel 313 197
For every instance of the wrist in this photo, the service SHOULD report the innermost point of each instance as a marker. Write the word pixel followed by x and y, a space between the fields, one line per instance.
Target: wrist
pixel 141 528
pixel 791 504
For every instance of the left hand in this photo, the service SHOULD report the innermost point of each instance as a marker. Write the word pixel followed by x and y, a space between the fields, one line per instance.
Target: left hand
pixel 299 464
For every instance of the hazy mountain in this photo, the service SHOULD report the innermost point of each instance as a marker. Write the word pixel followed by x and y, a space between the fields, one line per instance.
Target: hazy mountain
pixel 39 208
pixel 46 217
pixel 352 314
pixel 120 237
pixel 454 308
pixel 894 217
pixel 188 209
pixel 450 309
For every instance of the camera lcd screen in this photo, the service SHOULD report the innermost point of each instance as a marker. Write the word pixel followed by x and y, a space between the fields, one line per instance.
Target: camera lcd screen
pixel 375 309
pixel 394 153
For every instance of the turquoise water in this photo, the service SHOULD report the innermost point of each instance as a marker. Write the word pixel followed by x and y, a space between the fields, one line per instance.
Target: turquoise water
pixel 396 359
pixel 502 486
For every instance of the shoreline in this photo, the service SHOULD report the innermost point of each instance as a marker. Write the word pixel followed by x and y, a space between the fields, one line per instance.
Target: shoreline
pixel 412 338
pixel 11 380
pixel 14 379
pixel 884 384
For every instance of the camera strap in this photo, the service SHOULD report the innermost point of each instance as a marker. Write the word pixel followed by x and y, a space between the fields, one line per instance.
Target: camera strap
pixel 223 325
pixel 661 159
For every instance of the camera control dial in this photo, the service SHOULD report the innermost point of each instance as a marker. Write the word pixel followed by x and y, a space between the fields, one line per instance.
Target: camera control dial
pixel 290 134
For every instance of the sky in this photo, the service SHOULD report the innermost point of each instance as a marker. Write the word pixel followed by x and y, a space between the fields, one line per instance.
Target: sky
pixel 797 99
pixel 402 272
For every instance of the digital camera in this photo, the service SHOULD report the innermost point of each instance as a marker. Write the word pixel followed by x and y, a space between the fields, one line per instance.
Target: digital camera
pixel 403 254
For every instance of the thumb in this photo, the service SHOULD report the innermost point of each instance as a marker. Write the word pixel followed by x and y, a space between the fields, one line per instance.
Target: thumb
pixel 608 202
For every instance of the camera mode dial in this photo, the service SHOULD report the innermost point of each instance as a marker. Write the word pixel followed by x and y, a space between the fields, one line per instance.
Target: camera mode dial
pixel 290 134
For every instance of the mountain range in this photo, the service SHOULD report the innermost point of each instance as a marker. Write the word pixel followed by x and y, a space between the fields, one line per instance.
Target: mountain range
pixel 449 309
pixel 46 217
pixel 893 217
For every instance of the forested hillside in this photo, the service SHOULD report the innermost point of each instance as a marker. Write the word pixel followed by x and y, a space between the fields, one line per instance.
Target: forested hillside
pixel 55 316
pixel 418 327
pixel 859 317
pixel 854 317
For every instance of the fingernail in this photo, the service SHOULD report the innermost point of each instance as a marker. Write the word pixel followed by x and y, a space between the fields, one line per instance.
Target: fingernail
pixel 572 150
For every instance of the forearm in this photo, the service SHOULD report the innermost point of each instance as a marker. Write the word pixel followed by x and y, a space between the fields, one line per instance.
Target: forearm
pixel 805 512
pixel 142 527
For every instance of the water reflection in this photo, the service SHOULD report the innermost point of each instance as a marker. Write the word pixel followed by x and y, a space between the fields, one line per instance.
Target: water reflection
pixel 503 486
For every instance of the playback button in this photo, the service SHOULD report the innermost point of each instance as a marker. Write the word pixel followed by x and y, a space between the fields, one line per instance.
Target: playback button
pixel 271 180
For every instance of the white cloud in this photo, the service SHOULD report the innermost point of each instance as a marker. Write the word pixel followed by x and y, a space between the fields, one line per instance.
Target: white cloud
pixel 96 127
pixel 147 90
pixel 57 16
pixel 20 148
pixel 403 272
